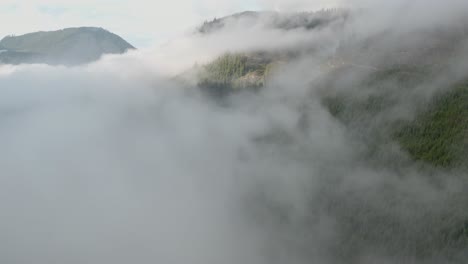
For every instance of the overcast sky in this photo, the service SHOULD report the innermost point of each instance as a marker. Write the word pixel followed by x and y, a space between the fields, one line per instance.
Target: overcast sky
pixel 142 22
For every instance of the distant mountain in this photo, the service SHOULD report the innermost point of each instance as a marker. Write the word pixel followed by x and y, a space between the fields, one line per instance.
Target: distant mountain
pixel 69 46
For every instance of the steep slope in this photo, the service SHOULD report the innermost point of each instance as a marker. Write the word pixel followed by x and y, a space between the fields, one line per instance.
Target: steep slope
pixel 69 46
pixel 437 136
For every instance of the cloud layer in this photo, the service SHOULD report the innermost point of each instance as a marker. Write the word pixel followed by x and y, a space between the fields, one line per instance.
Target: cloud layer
pixel 114 162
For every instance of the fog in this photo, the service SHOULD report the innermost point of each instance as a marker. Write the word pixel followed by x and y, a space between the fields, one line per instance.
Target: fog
pixel 119 162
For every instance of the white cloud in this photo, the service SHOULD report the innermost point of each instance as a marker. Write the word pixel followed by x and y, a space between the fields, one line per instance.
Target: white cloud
pixel 108 163
pixel 298 5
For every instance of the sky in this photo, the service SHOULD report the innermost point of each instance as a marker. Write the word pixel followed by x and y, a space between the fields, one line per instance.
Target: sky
pixel 143 23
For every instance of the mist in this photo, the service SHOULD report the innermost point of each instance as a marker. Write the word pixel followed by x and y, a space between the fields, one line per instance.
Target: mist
pixel 119 161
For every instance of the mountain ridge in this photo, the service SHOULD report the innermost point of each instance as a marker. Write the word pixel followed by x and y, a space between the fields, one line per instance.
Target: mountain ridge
pixel 69 46
pixel 278 20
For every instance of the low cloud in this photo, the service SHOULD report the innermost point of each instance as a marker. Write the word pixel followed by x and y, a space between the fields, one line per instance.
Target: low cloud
pixel 117 162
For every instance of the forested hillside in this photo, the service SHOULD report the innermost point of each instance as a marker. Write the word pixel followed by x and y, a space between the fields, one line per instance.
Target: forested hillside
pixel 405 105
pixel 438 133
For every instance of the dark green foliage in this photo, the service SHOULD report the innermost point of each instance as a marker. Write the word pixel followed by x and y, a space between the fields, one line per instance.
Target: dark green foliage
pixel 436 137
pixel 349 111
pixel 231 72
pixel 380 83
pixel 440 136
pixel 218 76
pixel 226 68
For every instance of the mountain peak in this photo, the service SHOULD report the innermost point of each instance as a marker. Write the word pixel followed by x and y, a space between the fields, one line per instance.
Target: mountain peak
pixel 69 46
pixel 277 20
